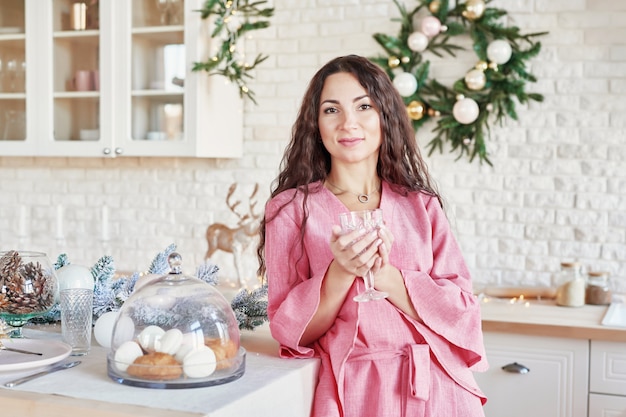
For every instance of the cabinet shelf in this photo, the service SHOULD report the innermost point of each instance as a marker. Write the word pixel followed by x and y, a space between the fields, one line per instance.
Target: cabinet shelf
pixel 18 37
pixel 76 94
pixel 157 93
pixel 91 33
pixel 12 96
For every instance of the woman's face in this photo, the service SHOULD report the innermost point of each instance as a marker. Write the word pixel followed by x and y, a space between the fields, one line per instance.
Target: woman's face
pixel 348 122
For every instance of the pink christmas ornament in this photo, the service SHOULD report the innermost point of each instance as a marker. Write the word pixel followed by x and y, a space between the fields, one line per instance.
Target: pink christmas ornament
pixel 430 26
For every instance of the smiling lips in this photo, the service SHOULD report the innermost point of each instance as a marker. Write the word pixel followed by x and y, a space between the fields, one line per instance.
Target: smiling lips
pixel 350 141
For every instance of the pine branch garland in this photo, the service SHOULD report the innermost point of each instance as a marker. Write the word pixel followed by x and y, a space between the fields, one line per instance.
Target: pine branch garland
pixel 110 293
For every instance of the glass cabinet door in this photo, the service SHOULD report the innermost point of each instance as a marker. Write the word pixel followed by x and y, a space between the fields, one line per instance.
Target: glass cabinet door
pixel 76 70
pixel 157 70
pixel 12 70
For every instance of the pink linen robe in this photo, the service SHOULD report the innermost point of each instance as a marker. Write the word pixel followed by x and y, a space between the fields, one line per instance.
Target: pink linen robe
pixel 377 361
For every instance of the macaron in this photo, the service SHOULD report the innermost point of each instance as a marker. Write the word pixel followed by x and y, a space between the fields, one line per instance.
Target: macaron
pixel 126 354
pixel 150 338
pixel 170 342
pixel 199 363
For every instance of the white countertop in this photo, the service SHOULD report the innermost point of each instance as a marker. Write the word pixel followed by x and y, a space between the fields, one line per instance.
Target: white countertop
pixel 545 318
pixel 259 392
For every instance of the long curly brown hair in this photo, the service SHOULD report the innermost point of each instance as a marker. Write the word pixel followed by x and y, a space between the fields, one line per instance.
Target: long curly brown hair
pixel 306 160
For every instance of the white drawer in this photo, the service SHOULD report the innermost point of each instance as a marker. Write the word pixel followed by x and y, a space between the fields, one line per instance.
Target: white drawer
pixel 555 386
pixel 606 406
pixel 608 368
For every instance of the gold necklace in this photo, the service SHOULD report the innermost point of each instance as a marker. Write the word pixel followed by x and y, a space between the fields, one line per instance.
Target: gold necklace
pixel 362 197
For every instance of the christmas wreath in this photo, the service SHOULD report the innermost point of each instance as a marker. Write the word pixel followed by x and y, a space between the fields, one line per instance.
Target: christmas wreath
pixel 486 93
pixel 233 19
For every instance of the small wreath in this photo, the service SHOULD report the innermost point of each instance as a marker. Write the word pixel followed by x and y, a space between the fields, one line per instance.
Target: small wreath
pixel 233 19
pixel 488 89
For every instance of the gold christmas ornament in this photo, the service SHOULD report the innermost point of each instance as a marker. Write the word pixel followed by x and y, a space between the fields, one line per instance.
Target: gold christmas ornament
pixel 434 6
pixel 475 79
pixel 393 62
pixel 416 110
pixel 474 9
pixel 433 113
pixel 481 65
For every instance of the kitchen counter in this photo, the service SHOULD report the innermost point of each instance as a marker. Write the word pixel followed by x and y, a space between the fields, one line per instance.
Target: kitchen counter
pixel 88 391
pixel 545 318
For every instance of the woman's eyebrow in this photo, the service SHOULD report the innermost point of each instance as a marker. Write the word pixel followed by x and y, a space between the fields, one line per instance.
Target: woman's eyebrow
pixel 330 100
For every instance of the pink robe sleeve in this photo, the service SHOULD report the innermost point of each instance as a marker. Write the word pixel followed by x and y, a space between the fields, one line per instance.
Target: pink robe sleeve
pixel 455 316
pixel 293 294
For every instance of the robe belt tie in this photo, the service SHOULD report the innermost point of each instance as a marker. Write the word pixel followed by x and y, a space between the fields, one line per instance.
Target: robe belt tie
pixel 417 366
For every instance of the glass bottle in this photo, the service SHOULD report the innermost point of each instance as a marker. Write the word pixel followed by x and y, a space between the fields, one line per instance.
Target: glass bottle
pixel 570 285
pixel 598 291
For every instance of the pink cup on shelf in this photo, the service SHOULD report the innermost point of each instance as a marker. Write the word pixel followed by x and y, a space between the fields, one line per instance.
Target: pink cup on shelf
pixel 83 81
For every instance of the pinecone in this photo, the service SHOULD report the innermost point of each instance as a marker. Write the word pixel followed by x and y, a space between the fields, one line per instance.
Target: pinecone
pixel 9 264
pixel 4 302
pixel 27 291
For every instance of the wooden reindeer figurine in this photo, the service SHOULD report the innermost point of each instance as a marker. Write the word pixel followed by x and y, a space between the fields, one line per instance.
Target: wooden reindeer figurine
pixel 235 240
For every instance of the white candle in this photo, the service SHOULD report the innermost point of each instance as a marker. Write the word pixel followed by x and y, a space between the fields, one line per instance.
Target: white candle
pixel 22 232
pixel 105 223
pixel 59 223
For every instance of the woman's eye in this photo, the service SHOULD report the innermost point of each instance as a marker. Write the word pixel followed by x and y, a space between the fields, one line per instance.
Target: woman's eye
pixel 330 110
pixel 365 106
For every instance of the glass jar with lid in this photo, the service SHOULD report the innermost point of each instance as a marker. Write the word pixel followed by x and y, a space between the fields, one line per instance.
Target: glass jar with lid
pixel 598 289
pixel 570 285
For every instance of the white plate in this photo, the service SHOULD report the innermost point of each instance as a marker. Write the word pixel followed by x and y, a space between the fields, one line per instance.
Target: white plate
pixel 53 352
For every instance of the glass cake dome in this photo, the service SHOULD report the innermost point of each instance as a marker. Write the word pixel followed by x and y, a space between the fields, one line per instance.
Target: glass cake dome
pixel 176 332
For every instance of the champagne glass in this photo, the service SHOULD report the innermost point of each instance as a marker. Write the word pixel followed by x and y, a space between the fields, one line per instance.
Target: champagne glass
pixel 367 220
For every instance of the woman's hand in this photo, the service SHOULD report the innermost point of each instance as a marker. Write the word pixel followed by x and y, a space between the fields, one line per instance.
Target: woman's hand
pixel 384 248
pixel 355 252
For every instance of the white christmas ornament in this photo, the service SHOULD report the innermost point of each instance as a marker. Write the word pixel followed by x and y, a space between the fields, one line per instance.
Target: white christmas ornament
pixel 430 26
pixel 465 111
pixel 499 51
pixel 405 83
pixel 74 276
pixel 103 329
pixel 417 42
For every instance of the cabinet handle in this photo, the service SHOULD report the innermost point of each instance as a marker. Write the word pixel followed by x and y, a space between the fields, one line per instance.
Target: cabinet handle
pixel 119 151
pixel 515 368
pixel 106 151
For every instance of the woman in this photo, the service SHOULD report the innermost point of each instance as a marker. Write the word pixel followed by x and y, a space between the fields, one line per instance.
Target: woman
pixel 413 353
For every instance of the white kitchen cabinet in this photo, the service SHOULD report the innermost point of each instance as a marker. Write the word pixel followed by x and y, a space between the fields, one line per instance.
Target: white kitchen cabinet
pixel 121 85
pixel 555 385
pixel 607 379
pixel 607 405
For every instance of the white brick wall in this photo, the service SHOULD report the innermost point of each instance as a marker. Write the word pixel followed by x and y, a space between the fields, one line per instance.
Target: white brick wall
pixel 557 190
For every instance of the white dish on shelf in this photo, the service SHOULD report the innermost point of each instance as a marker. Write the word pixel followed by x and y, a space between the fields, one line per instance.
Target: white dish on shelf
pixel 53 351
